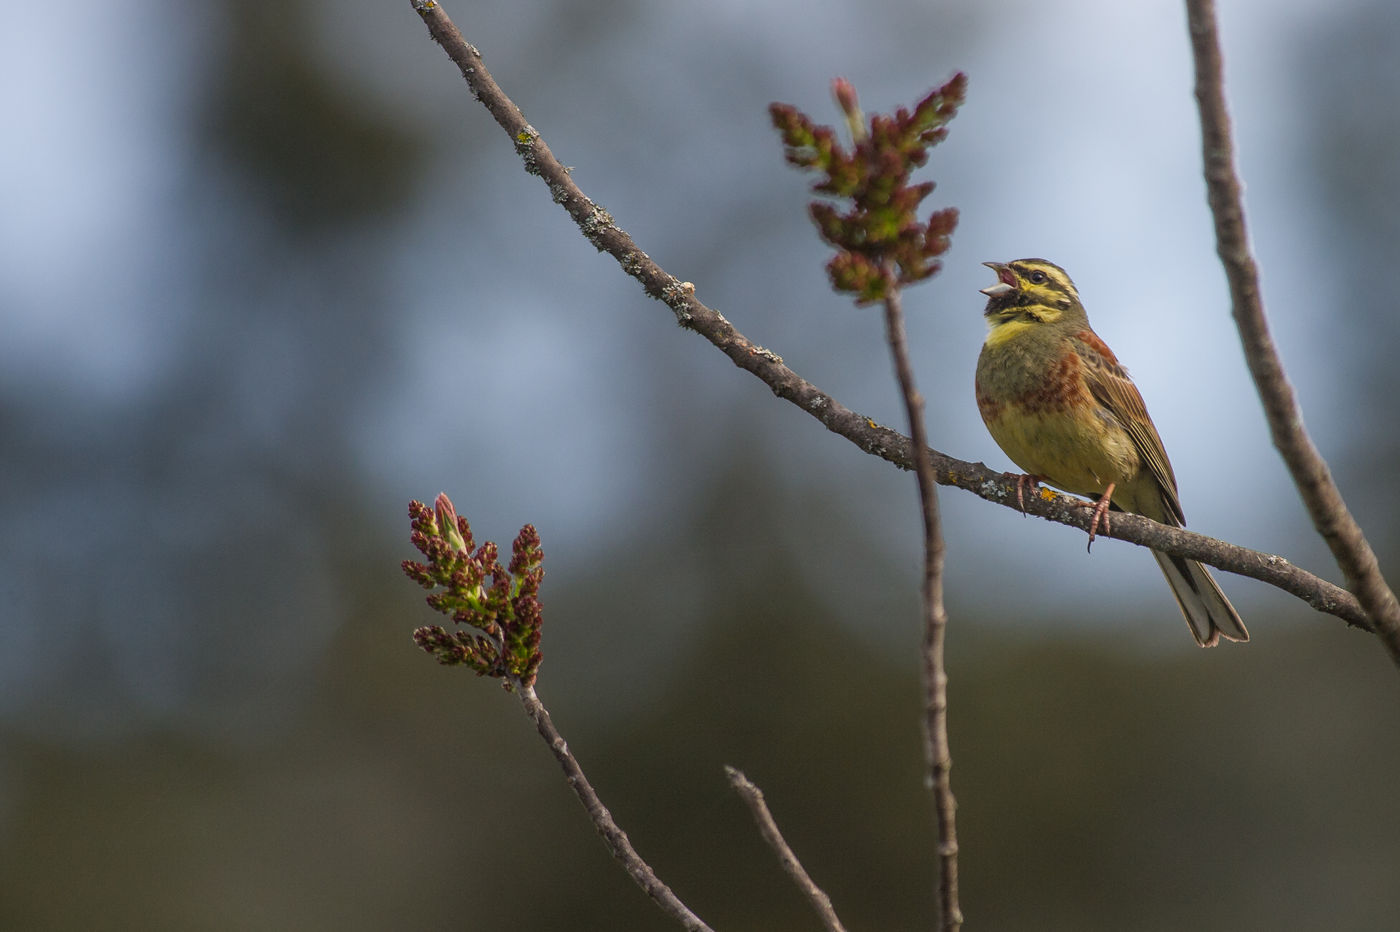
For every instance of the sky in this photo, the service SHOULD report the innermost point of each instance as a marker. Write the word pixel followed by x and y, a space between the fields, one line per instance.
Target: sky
pixel 468 340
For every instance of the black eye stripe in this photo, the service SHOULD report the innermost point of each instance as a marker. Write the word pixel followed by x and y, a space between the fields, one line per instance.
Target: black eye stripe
pixel 1043 278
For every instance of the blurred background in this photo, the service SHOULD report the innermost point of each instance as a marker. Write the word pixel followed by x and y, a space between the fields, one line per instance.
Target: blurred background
pixel 267 273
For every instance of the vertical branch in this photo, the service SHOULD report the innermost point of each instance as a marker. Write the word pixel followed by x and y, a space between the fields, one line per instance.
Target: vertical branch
pixel 1310 473
pixel 935 679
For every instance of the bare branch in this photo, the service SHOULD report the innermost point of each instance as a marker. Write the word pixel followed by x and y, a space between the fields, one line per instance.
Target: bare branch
pixel 1310 473
pixel 613 835
pixel 768 828
pixel 887 444
pixel 935 677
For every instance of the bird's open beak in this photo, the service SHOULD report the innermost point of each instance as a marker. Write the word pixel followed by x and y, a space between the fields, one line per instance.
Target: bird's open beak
pixel 1006 282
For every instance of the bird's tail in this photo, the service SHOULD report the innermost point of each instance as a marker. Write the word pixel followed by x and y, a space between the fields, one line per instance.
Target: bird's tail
pixel 1207 611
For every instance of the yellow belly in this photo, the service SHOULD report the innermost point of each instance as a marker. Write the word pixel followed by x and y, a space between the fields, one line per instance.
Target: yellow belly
pixel 1080 454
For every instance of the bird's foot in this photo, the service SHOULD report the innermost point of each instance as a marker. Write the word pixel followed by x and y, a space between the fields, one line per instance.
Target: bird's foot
pixel 1023 480
pixel 1100 515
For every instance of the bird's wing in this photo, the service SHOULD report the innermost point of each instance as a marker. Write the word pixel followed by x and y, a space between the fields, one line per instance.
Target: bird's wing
pixel 1111 387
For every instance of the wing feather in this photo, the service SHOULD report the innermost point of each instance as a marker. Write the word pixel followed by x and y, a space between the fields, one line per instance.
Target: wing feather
pixel 1114 390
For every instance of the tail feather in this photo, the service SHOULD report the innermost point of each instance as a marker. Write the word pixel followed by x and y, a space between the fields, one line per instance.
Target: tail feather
pixel 1208 613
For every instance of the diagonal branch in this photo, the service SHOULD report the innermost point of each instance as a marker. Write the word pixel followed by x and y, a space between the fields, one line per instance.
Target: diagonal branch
pixel 598 227
pixel 1310 473
pixel 768 828
pixel 613 835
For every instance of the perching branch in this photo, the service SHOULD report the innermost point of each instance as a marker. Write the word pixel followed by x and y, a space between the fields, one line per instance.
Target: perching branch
pixel 599 228
pixel 1310 473
pixel 768 828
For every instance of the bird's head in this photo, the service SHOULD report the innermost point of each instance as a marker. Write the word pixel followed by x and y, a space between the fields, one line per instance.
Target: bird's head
pixel 1030 291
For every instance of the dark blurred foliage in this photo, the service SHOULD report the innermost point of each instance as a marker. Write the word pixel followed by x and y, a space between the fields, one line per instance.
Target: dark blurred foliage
pixel 225 724
pixel 1097 789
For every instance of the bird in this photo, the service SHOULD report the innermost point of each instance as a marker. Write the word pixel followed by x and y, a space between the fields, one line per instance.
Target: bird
pixel 1061 406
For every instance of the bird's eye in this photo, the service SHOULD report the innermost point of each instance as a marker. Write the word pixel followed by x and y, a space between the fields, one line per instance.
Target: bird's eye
pixel 1038 277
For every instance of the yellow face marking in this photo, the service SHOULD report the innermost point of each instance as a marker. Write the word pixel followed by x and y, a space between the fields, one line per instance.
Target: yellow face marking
pixel 1007 329
pixel 1017 320
pixel 1035 284
pixel 1045 280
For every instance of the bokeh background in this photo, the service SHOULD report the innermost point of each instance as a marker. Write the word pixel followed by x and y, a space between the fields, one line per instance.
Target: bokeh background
pixel 267 273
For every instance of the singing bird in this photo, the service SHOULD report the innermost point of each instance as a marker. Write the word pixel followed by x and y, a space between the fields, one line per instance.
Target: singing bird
pixel 1058 402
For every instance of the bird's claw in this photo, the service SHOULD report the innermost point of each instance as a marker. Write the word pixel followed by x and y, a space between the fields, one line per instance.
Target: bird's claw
pixel 1023 480
pixel 1100 515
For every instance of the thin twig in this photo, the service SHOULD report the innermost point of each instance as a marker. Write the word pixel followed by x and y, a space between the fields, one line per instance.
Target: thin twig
pixel 598 227
pixel 1309 470
pixel 936 748
pixel 768 828
pixel 613 836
